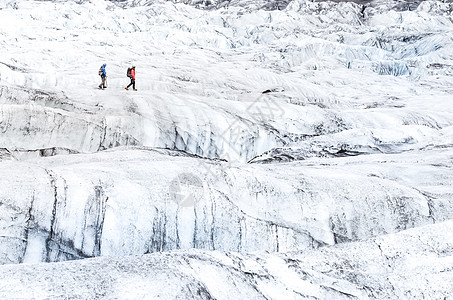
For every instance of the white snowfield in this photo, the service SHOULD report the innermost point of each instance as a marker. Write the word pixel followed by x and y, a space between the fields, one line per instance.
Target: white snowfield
pixel 307 151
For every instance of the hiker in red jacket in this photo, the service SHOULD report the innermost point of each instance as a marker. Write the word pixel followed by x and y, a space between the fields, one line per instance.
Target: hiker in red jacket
pixel 131 75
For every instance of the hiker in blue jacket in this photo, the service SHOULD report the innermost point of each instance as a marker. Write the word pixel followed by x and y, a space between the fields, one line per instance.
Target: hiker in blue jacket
pixel 103 75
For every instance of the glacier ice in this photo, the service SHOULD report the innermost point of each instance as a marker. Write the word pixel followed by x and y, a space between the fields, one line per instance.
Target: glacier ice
pixel 262 133
pixel 413 264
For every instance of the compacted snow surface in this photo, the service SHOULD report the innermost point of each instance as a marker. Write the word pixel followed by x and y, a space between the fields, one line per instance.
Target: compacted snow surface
pixel 272 150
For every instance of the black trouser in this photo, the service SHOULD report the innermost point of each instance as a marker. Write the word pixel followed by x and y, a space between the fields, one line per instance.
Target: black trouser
pixel 132 83
pixel 102 85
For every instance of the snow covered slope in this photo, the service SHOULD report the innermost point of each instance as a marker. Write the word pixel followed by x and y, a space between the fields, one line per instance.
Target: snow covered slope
pixel 416 264
pixel 251 130
pixel 133 201
pixel 323 66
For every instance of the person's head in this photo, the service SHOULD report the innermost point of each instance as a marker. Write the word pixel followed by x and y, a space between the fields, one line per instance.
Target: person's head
pixel 133 67
pixel 104 65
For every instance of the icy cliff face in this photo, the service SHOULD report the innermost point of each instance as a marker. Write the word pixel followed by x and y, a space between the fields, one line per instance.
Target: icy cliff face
pixel 132 201
pixel 414 264
pixel 278 130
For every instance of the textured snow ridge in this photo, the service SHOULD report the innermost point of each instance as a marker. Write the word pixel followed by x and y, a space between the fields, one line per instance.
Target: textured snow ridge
pixel 131 201
pixel 414 264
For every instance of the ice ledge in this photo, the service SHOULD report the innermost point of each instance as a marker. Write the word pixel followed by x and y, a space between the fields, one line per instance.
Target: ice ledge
pixel 416 263
pixel 131 201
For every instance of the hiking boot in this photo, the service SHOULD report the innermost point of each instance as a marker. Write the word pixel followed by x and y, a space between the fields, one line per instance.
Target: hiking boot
pixel 135 89
pixel 126 88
